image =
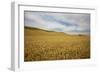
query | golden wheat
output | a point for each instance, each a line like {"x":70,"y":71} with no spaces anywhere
{"x":43,"y":45}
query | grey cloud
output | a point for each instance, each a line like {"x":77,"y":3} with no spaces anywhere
{"x":64,"y":22}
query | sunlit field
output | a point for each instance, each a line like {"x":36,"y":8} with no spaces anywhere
{"x":41,"y":45}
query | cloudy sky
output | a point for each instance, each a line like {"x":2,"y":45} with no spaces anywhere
{"x":70,"y":23}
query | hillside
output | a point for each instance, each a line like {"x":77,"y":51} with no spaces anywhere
{"x":37,"y":31}
{"x":48,"y":45}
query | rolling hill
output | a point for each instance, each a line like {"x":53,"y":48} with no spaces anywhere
{"x":42,"y":45}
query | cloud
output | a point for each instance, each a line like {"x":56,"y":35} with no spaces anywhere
{"x":73,"y":23}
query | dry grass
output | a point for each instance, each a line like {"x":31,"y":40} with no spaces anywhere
{"x":43,"y":45}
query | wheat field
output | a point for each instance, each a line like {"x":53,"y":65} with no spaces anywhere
{"x":41,"y":45}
